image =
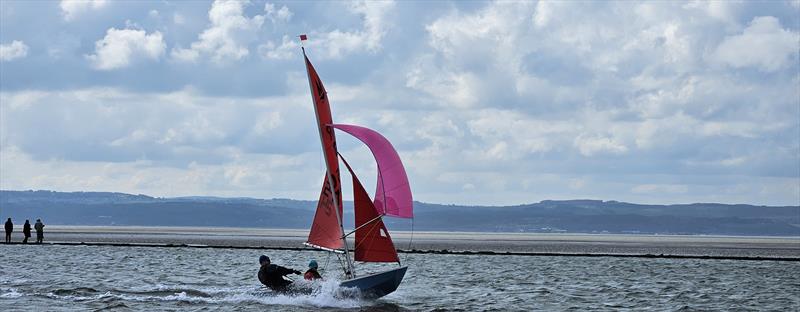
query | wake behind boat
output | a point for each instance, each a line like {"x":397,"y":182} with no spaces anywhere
{"x":392,"y":198}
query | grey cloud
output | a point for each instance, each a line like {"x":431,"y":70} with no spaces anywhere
{"x":117,"y":126}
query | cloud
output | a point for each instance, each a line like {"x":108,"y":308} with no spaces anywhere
{"x":227,"y":37}
{"x":590,"y":145}
{"x":521,"y":100}
{"x":450,"y":87}
{"x":763,"y":44}
{"x":70,"y":9}
{"x":168,"y":128}
{"x":286,"y":50}
{"x":335,"y":44}
{"x":121,"y":46}
{"x":16,"y":49}
{"x":339,"y":43}
{"x":281,"y":15}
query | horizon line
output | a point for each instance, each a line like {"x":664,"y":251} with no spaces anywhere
{"x":430,"y":203}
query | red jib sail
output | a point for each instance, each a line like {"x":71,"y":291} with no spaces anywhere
{"x":373,"y":243}
{"x":326,"y":232}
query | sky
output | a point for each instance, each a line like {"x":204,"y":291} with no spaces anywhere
{"x":487,"y":103}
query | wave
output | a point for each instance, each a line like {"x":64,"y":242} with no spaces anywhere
{"x":325,"y":294}
{"x":10,"y":293}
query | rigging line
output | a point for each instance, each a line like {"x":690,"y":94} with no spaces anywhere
{"x":363,"y":225}
{"x":341,"y":263}
{"x":327,"y":260}
{"x":390,"y":240}
{"x":369,"y":230}
{"x":411,"y":239}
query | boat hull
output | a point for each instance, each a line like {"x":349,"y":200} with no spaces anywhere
{"x":377,"y":285}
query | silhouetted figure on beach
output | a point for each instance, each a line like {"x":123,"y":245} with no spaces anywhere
{"x":9,"y":229}
{"x":26,"y":230}
{"x":39,"y":226}
{"x":312,"y":273}
{"x":271,"y":275}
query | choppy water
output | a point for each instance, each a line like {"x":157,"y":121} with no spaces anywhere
{"x":61,"y":278}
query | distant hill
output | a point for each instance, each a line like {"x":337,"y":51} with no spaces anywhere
{"x":574,"y":216}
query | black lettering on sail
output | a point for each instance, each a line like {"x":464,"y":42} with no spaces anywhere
{"x":320,"y":90}
{"x":327,"y":201}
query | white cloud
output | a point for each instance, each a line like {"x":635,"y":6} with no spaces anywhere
{"x":524,"y":100}
{"x":763,"y":44}
{"x":118,"y":125}
{"x":451,"y":88}
{"x":287,"y":50}
{"x":593,"y":144}
{"x":70,"y":9}
{"x":338,"y":43}
{"x":721,"y":10}
{"x":120,"y":46}
{"x":281,"y":15}
{"x":16,"y":49}
{"x":227,"y":37}
{"x":492,"y":125}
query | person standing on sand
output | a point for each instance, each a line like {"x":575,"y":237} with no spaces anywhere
{"x":39,"y":226}
{"x":26,"y":231}
{"x":9,"y":229}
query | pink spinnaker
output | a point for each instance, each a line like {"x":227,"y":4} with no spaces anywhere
{"x":393,"y":188}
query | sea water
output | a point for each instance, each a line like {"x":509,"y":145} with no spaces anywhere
{"x":68,"y":278}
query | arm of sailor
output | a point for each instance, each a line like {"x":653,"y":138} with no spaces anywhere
{"x":287,"y":271}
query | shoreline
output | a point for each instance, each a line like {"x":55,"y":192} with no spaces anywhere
{"x":456,"y":243}
{"x":416,"y":251}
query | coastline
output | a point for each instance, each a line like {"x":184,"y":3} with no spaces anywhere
{"x":460,"y":243}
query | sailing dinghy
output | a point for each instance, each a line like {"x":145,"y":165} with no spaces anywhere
{"x":392,"y":198}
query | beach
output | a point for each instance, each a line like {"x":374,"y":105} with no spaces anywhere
{"x":443,"y":242}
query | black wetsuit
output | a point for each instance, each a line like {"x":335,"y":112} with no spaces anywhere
{"x":271,"y":275}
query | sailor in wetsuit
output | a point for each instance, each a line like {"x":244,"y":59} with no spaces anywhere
{"x":271,"y":275}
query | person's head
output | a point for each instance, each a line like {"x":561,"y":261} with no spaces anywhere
{"x":312,"y":264}
{"x":263,"y":260}
{"x":38,"y":220}
{"x":26,"y":221}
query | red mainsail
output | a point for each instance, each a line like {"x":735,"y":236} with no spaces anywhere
{"x":326,"y":229}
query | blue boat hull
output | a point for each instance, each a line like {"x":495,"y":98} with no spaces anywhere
{"x":377,"y":285}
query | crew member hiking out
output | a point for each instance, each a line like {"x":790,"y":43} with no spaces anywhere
{"x":312,"y":273}
{"x":271,"y":275}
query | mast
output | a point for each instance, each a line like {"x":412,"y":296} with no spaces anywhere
{"x":350,"y":270}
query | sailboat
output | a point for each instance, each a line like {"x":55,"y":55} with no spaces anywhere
{"x":392,"y":199}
